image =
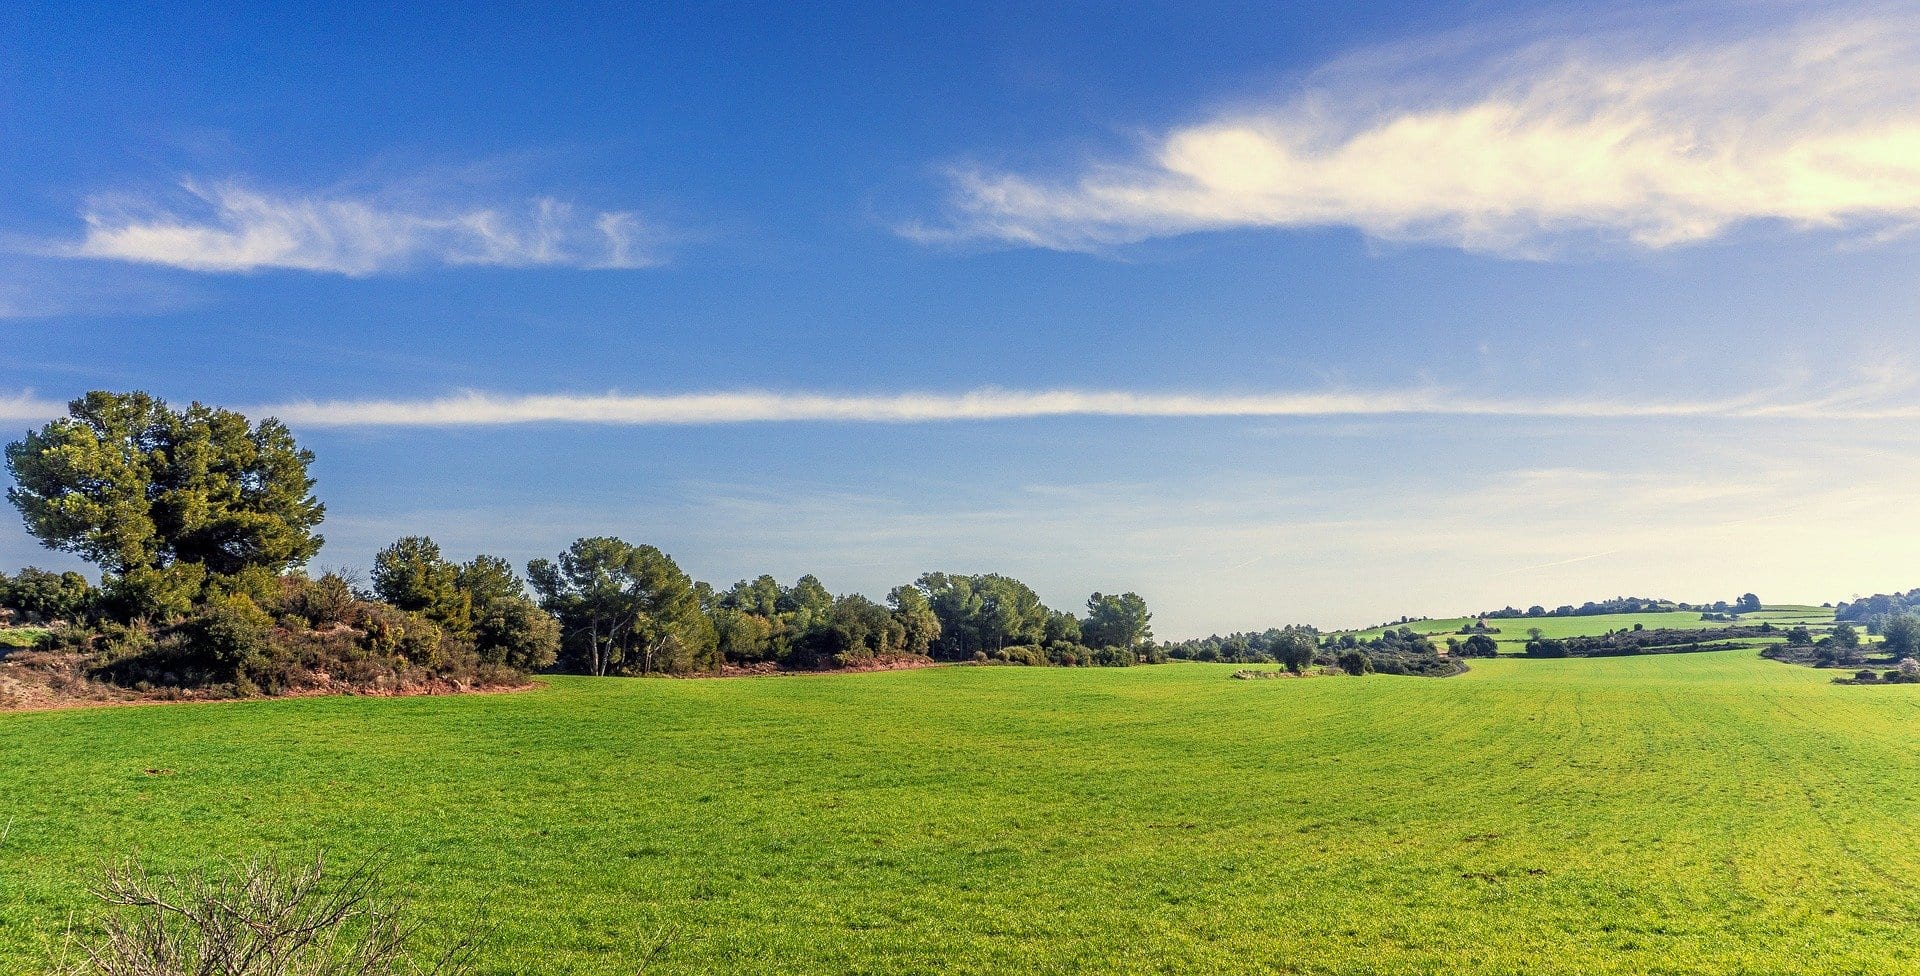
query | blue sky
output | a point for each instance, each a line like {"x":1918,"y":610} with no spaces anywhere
{"x":1270,"y":313}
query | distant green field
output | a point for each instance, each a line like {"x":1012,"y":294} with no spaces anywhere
{"x":1691,"y":813}
{"x":1793,"y":614}
{"x":1513,"y":631}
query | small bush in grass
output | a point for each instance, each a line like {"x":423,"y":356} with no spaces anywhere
{"x":1355,"y":662}
{"x":264,"y":918}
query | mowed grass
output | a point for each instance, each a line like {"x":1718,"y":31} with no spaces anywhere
{"x":1707,"y":812}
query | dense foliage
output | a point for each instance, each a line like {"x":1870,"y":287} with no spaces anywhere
{"x":313,"y":634}
{"x":178,"y":508}
{"x":200,"y":523}
{"x":628,"y":609}
{"x":1277,"y":645}
{"x":38,"y":596}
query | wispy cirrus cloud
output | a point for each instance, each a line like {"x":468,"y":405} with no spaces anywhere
{"x":1880,"y":394}
{"x":1864,"y":403}
{"x":230,"y":226}
{"x":1518,"y":148}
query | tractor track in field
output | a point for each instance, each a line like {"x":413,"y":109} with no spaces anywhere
{"x":1838,"y":834}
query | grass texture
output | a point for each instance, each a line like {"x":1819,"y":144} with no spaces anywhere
{"x":1709,"y":812}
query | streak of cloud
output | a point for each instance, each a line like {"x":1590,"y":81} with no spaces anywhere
{"x":231,"y":227}
{"x":737,"y":407}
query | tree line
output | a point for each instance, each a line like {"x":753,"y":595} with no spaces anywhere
{"x":1875,"y":609}
{"x":1747,"y":603}
{"x":201,"y":523}
{"x":625,"y":608}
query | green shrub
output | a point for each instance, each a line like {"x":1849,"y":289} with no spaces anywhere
{"x":1026,"y":654}
{"x":115,"y":641}
{"x":518,"y":634}
{"x":215,"y":648}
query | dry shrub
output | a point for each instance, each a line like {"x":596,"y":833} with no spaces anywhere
{"x":263,"y":918}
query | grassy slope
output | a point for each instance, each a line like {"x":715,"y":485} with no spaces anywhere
{"x":1708,"y":812}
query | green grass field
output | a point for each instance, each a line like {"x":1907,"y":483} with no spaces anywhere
{"x":1513,"y":631}
{"x":1688,"y":813}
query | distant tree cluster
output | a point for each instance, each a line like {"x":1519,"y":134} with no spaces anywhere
{"x":1619,"y":604}
{"x":1871,"y":611}
{"x":1477,"y":645}
{"x":43,"y":597}
{"x":312,"y":633}
{"x":1906,"y":673}
{"x":1900,"y":634}
{"x":1747,"y":603}
{"x":1294,"y":646}
{"x":1298,"y":647}
{"x":1844,"y":647}
{"x":627,"y":609}
{"x":1401,"y":651}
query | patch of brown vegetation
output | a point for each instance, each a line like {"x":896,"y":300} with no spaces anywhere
{"x":47,"y":680}
{"x":900,"y":662}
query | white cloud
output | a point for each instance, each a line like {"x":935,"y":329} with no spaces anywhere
{"x":485,"y":409}
{"x":24,"y":407}
{"x":1518,"y":149}
{"x":230,"y":227}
